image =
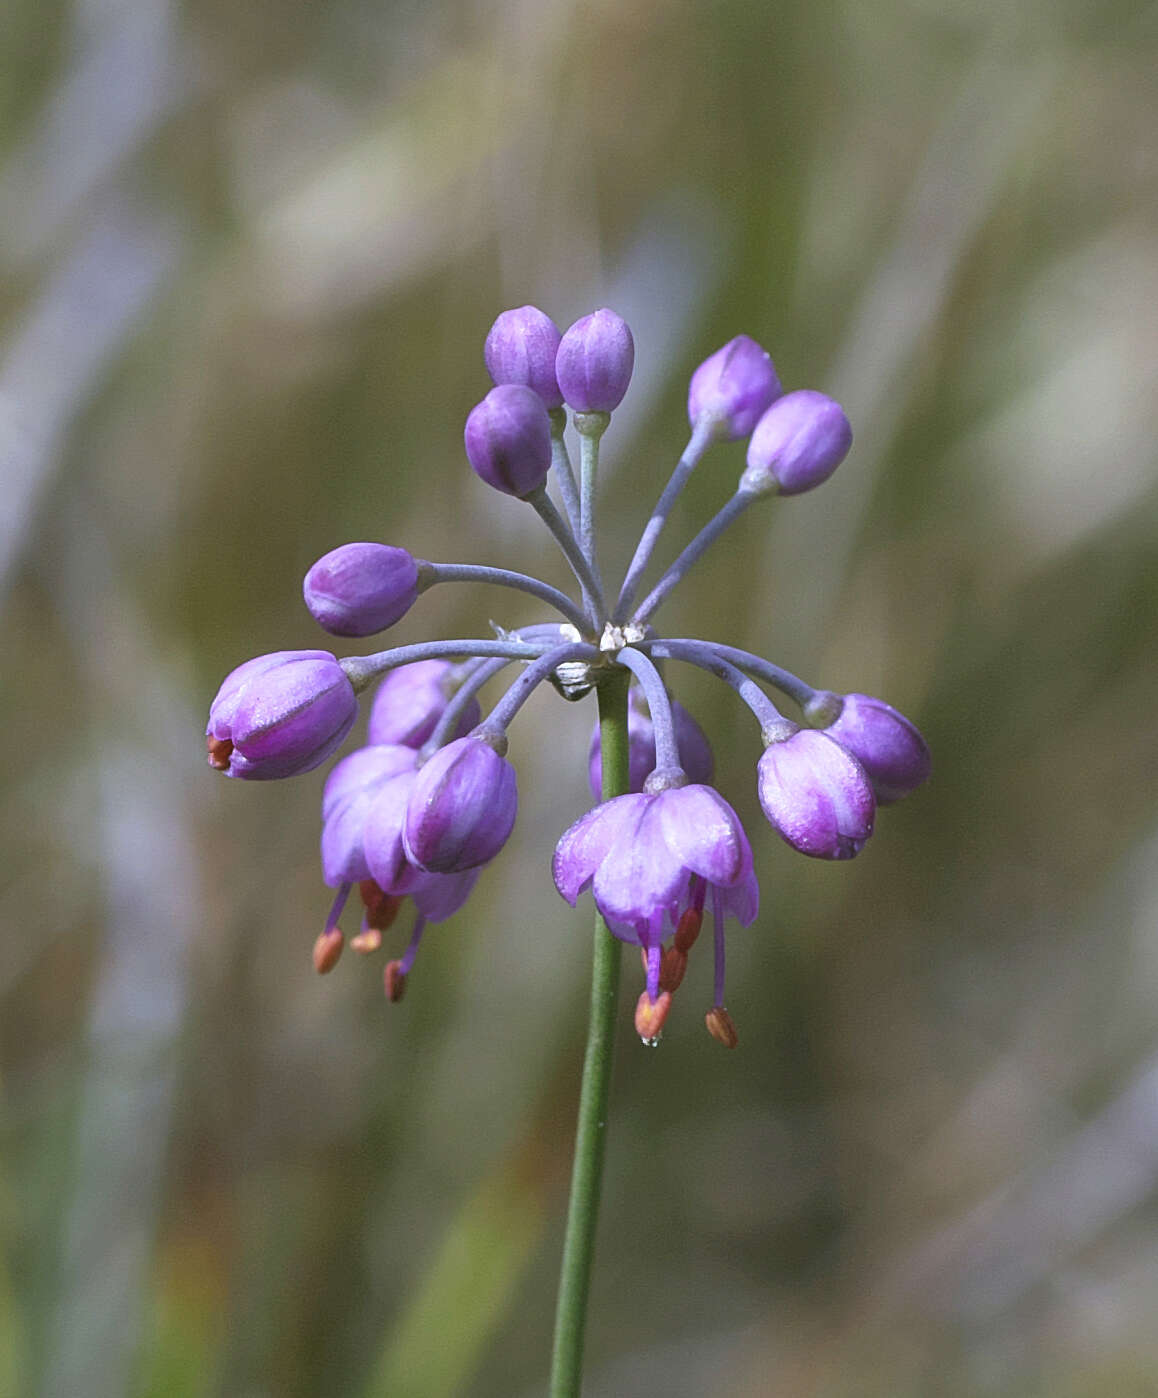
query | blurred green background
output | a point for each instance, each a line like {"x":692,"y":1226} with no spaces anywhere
{"x":248,"y":255}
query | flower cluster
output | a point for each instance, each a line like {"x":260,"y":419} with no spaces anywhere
{"x":418,"y":812}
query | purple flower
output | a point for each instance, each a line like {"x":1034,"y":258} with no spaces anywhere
{"x":462,"y":807}
{"x":885,"y":743}
{"x":694,"y":749}
{"x":508,"y":440}
{"x":521,"y":348}
{"x":643,"y":854}
{"x":351,"y":793}
{"x":797,"y":444}
{"x":733,"y":387}
{"x":410,"y":701}
{"x":359,"y":589}
{"x":594,"y":363}
{"x":280,"y":714}
{"x":816,"y":795}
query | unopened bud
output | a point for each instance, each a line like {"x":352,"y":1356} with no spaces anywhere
{"x":394,"y":979}
{"x":367,"y":941}
{"x":327,"y":949}
{"x":650,"y":1016}
{"x":720,"y":1026}
{"x":688,"y":929}
{"x":672,"y":968}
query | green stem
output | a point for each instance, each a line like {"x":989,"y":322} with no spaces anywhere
{"x":591,"y":1132}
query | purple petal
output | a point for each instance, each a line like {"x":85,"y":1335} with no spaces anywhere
{"x":583,"y":846}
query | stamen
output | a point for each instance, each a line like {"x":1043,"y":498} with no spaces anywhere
{"x":654,"y":959}
{"x":394,"y":979}
{"x":328,"y":946}
{"x":220,"y":751}
{"x":672,"y":968}
{"x":367,"y":941}
{"x":327,"y":949}
{"x":718,"y":930}
{"x":381,"y":907}
{"x":720,"y":1026}
{"x":650,"y":1015}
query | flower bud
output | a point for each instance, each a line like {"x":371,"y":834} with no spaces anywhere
{"x":521,"y":348}
{"x":816,"y":795}
{"x":461,"y":809}
{"x":799,"y":442}
{"x":280,"y":714}
{"x":885,"y":743}
{"x":733,"y":387}
{"x":359,"y":589}
{"x":594,"y":363}
{"x":508,"y":439}
{"x":410,"y":701}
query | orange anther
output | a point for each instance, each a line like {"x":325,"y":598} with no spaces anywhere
{"x":720,"y":1026}
{"x":650,"y":1015}
{"x":381,"y":908}
{"x":688,"y":929}
{"x":672,"y":968}
{"x":394,"y":979}
{"x":327,"y":949}
{"x":220,"y":751}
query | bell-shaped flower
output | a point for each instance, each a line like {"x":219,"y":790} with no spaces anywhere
{"x":351,"y":792}
{"x":280,"y":714}
{"x":816,"y":795}
{"x":641,"y":855}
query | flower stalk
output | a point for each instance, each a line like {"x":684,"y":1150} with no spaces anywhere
{"x":591,"y":1127}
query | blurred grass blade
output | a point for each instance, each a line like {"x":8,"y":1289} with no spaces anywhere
{"x":436,"y":1345}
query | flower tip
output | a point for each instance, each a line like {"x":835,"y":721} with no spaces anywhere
{"x":220,"y":750}
{"x":651,"y":1015}
{"x":732,"y":388}
{"x":327,"y":949}
{"x":720,"y":1027}
{"x":594,"y":363}
{"x":394,"y":981}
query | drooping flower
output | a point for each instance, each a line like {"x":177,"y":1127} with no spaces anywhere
{"x":281,"y":714}
{"x":816,"y":795}
{"x":650,"y":859}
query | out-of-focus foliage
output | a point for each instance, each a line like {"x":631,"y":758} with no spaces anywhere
{"x":250,"y":251}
